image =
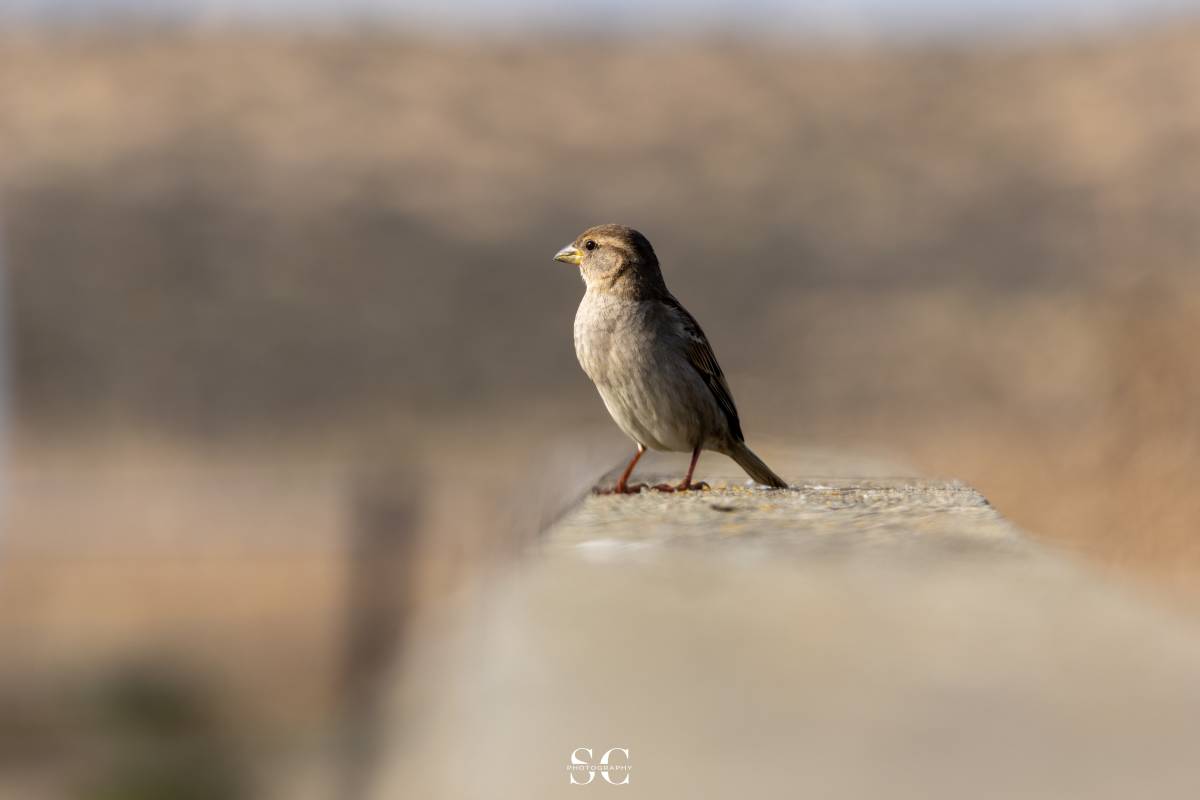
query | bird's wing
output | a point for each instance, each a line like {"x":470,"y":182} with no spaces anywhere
{"x":700,"y":355}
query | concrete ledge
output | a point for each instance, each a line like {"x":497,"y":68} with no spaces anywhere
{"x":853,"y":637}
{"x":821,"y":517}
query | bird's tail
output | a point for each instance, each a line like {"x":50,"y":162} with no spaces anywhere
{"x":754,"y":466}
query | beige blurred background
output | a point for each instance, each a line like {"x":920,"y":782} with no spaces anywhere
{"x":290,"y":360}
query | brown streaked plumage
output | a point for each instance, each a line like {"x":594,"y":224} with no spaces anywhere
{"x":649,"y":358}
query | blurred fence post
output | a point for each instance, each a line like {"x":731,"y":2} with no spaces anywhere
{"x":4,"y":379}
{"x":378,"y":593}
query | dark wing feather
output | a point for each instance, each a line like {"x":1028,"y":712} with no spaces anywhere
{"x":702,"y":359}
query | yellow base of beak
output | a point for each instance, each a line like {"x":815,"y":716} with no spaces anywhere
{"x":569,"y":255}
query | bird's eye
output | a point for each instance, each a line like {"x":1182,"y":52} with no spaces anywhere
{"x":590,"y":245}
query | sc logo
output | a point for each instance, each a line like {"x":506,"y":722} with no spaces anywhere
{"x":607,"y":769}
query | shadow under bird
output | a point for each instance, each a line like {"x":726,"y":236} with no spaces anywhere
{"x":649,"y":359}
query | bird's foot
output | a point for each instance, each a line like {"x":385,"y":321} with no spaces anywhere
{"x":682,"y":487}
{"x":619,"y":489}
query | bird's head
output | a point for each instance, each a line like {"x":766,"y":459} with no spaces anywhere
{"x":614,"y":258}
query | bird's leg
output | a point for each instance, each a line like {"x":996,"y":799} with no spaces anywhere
{"x":622,"y":486}
{"x":687,"y":484}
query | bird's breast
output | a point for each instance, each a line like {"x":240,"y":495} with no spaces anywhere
{"x":610,"y":336}
{"x":650,"y":391}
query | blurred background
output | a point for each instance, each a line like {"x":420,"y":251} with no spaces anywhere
{"x":288,"y":358}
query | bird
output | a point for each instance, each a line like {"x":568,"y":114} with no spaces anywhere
{"x":650,"y":360}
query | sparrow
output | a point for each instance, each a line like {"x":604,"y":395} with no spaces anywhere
{"x":649,"y":359}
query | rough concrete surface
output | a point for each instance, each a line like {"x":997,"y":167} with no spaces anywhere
{"x":856,"y":636}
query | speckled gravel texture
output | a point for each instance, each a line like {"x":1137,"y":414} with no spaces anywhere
{"x":816,"y":516}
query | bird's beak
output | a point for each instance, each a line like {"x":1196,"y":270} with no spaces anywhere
{"x":569,"y":255}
